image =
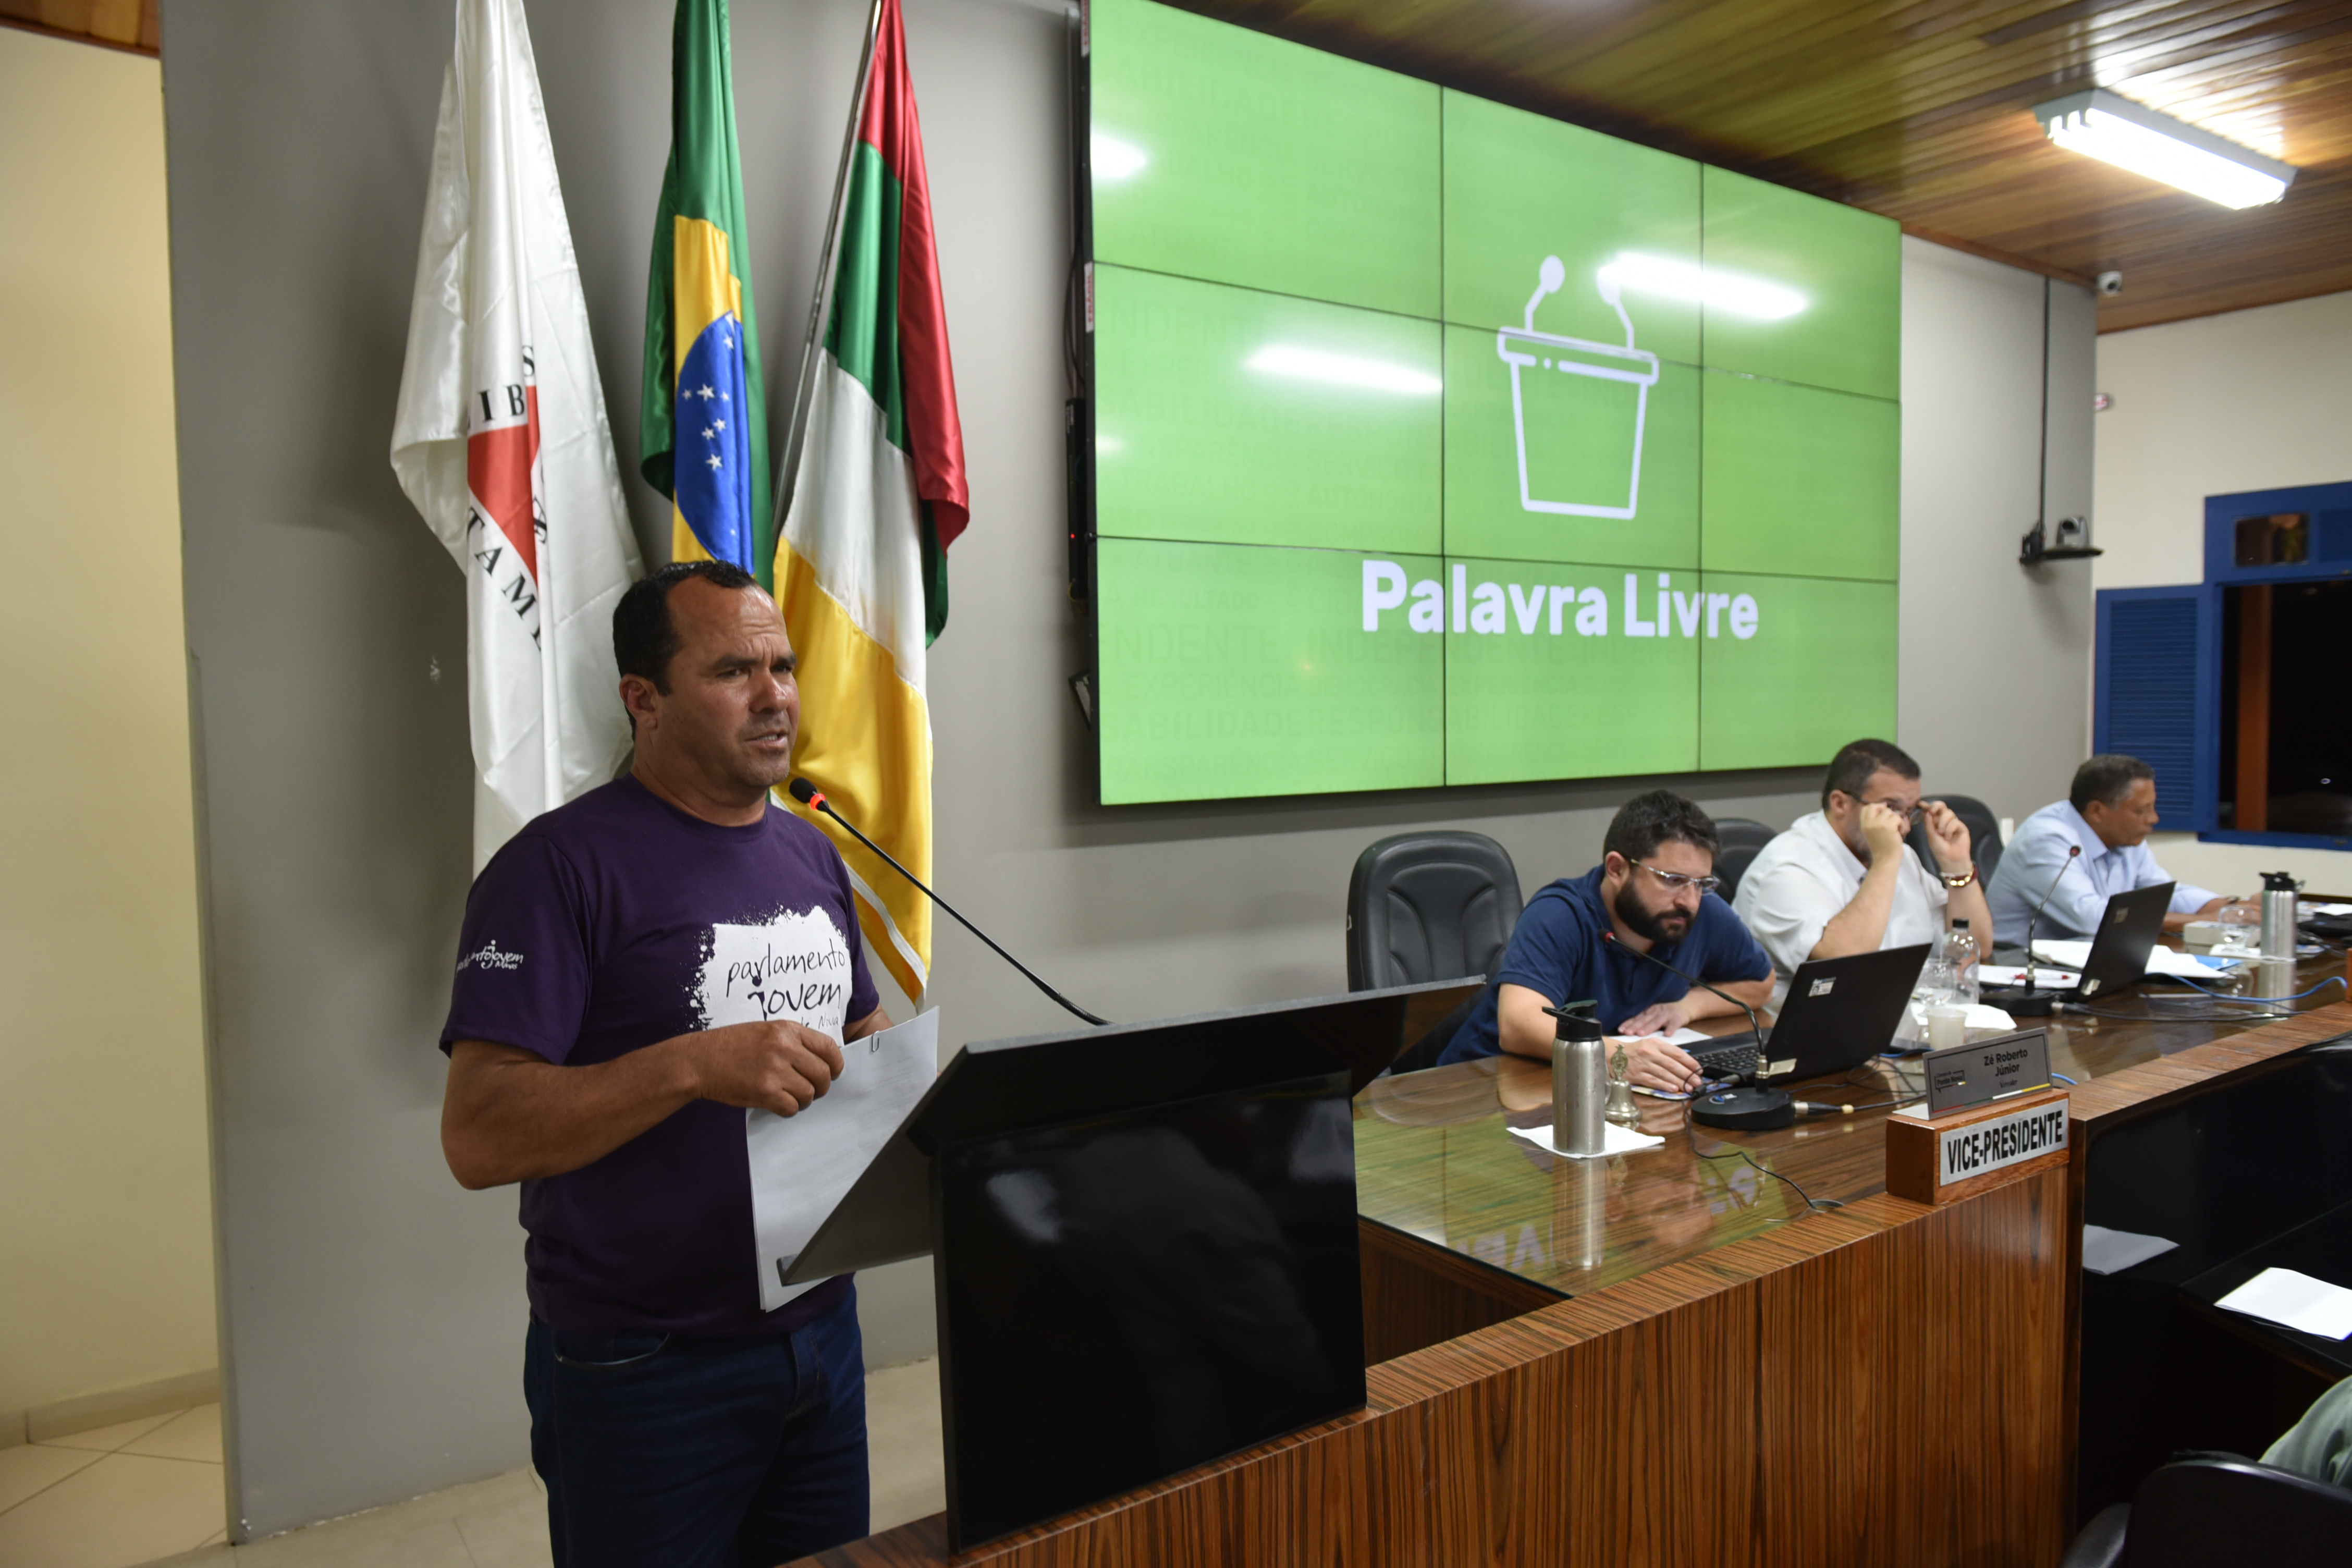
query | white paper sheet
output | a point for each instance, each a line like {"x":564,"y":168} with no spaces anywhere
{"x":2161,"y":960}
{"x":802,"y":1165}
{"x":1616,"y":1141}
{"x":1679,"y":1037}
{"x":2297,"y":1300}
{"x":2108,"y":1251}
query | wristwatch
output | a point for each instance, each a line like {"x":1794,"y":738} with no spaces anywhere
{"x":1956,"y":883}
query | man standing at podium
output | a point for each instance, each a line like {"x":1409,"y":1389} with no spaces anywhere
{"x":1654,"y":892}
{"x":597,"y":1056}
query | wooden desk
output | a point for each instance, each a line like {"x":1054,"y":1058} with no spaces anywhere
{"x":1664,"y":1359}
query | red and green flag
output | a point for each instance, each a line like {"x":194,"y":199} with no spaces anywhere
{"x":877,"y":495}
{"x":703,"y":422}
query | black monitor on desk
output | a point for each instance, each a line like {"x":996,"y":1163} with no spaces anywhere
{"x":1144,"y":1243}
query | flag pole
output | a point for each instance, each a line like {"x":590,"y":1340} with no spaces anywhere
{"x":811,"y":340}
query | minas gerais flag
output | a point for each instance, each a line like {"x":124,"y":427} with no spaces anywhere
{"x":878,"y":494}
{"x":703,"y":425}
{"x":501,"y":442}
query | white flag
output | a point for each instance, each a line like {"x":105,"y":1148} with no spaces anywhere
{"x":502,"y":443}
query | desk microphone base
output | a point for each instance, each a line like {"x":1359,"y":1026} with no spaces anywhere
{"x":1746,"y":1109}
{"x":2026,"y":1004}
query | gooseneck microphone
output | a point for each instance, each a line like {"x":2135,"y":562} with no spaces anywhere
{"x":2033,"y":1002}
{"x":1611,"y":938}
{"x":809,"y":795}
{"x":1751,"y":1108}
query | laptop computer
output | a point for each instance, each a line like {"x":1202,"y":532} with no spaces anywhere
{"x":2128,"y":927}
{"x":1838,"y":1013}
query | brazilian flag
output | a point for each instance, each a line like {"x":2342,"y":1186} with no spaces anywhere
{"x":704,"y":423}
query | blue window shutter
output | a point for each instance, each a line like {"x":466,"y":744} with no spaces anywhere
{"x":2157,"y":693}
{"x":2331,"y":534}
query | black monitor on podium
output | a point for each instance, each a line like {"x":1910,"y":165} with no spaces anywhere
{"x":1144,"y":1239}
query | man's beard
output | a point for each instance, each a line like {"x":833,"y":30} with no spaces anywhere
{"x":1650,"y":926}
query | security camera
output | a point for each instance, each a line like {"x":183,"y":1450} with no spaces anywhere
{"x":2111,"y":283}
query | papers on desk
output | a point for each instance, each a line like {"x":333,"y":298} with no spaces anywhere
{"x":1618,"y":1141}
{"x":1679,"y":1037}
{"x":802,"y":1165}
{"x":2161,"y":960}
{"x":2309,"y":909}
{"x":2108,"y":1251}
{"x":2296,"y":1300}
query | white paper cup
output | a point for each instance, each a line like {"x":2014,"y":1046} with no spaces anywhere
{"x":1947,"y":1026}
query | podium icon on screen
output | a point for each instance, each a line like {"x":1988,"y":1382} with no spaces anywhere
{"x":1570,"y":397}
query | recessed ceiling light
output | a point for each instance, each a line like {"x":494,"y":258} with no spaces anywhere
{"x":2131,"y":136}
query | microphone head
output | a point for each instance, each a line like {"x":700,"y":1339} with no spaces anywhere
{"x":802,"y":790}
{"x":1610,"y":937}
{"x":2073,"y":850}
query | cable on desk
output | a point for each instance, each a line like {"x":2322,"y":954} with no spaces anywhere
{"x":2069,"y":1082}
{"x":1690,"y":1130}
{"x":2076,"y":1010}
{"x":2260,"y":1001}
{"x":1890,"y":1062}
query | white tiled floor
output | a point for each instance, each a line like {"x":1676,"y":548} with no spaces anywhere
{"x":117,"y":1496}
{"x":146,"y":1490}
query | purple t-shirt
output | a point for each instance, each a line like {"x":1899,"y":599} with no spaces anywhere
{"x":617,"y":921}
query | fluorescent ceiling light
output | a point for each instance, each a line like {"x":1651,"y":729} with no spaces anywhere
{"x":1113,"y":158}
{"x":1718,"y":290}
{"x":1344,"y":370}
{"x":2118,"y":130}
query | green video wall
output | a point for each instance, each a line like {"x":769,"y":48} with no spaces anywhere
{"x":1437,"y":442}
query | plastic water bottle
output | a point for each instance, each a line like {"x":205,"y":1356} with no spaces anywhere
{"x":1958,"y":952}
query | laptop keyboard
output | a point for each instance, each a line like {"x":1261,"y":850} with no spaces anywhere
{"x":1728,"y":1061}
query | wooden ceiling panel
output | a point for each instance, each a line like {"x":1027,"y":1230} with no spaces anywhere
{"x":133,"y":25}
{"x":1923,"y":111}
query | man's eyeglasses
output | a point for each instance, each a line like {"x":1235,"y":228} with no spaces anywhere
{"x":1912,"y":814}
{"x":1676,"y":882}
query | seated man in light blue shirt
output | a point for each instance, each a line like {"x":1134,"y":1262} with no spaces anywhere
{"x":2109,"y":814}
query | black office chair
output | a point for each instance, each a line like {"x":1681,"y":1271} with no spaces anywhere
{"x":1984,"y":835}
{"x":2204,"y":1509}
{"x":1743,"y":840}
{"x":1429,"y":906}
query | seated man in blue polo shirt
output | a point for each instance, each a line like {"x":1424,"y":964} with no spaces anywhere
{"x":1654,"y":888}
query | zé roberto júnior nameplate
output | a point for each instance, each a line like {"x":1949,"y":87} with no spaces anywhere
{"x":1987,"y":1070}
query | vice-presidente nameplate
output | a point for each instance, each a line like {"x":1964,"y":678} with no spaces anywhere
{"x":1987,"y":1070}
{"x":1998,"y":1141}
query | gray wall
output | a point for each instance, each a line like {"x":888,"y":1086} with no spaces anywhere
{"x":1990,"y":697}
{"x":372,"y":1312}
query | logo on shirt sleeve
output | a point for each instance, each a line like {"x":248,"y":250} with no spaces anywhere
{"x":489,"y":955}
{"x":795,"y":968}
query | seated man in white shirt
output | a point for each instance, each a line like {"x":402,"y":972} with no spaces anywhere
{"x":1842,"y":881}
{"x":2108,"y":815}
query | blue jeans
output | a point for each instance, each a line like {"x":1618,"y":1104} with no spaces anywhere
{"x":663,"y":1451}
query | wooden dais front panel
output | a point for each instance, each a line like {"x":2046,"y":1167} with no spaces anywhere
{"x":1825,"y":1394}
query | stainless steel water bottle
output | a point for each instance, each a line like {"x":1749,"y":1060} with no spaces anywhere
{"x":1579,"y":1081}
{"x":2279,"y":933}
